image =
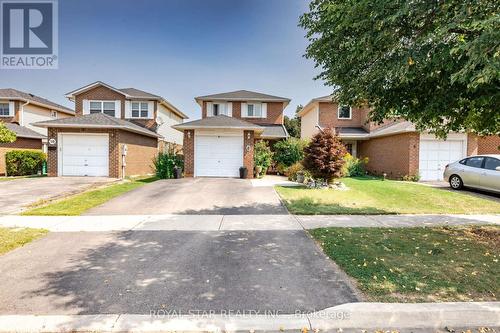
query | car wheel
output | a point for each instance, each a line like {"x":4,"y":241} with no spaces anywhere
{"x":456,"y":182}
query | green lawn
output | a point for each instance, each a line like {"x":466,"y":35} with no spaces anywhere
{"x":418,"y":264}
{"x":375,"y":196}
{"x":78,"y":204}
{"x":11,"y":238}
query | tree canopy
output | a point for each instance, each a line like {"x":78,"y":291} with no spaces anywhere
{"x":292,"y":125}
{"x":435,"y":63}
{"x":6,"y":135}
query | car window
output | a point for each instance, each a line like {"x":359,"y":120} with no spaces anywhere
{"x":491,"y":163}
{"x":463,"y":161}
{"x":474,"y":162}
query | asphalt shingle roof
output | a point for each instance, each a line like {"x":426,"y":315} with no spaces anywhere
{"x":242,"y":95}
{"x":97,"y":120}
{"x":136,"y":93}
{"x":351,"y":130}
{"x":218,"y":122}
{"x":24,"y":132}
{"x":274,"y":131}
{"x":10,"y":93}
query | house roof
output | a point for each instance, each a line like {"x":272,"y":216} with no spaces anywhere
{"x":242,"y":95}
{"x":219,"y":122}
{"x":14,"y":94}
{"x":346,"y":132}
{"x":393,"y":128}
{"x":307,"y":107}
{"x":129,"y":93}
{"x":274,"y":132}
{"x":97,"y":120}
{"x":24,"y":132}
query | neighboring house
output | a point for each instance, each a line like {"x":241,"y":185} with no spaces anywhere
{"x":116,"y":132}
{"x":393,"y":147}
{"x":19,"y":110}
{"x":222,"y":141}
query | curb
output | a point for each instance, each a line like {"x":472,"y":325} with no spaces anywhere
{"x":360,"y":316}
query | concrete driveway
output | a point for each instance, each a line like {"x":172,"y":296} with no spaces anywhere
{"x":207,"y":196}
{"x":18,"y":193}
{"x":141,"y":271}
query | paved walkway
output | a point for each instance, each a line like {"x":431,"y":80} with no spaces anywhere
{"x":235,"y":222}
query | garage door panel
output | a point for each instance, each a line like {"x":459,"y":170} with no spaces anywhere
{"x":435,"y":154}
{"x":84,"y":155}
{"x":218,"y":156}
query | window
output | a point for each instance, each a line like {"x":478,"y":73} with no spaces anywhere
{"x":140,"y":110}
{"x":216,"y":109}
{"x":103,"y":107}
{"x":4,"y":110}
{"x":254,"y":110}
{"x":344,"y":112}
{"x":474,"y":162}
{"x":491,"y":163}
{"x":53,"y":114}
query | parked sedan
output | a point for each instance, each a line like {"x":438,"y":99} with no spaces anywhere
{"x":481,"y":172}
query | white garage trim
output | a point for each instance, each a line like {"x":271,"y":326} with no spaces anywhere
{"x":100,"y":157}
{"x":218,"y":154}
{"x":435,"y":154}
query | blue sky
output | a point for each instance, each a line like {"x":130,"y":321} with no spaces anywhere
{"x":178,"y":49}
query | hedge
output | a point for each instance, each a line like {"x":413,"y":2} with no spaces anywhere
{"x":24,"y":162}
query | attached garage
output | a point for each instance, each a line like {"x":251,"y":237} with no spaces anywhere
{"x":218,"y":155}
{"x":435,"y":154}
{"x":83,"y":154}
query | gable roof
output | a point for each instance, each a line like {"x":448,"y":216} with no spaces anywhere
{"x":97,"y":120}
{"x":218,"y":122}
{"x":307,"y":107}
{"x":129,"y":93}
{"x":14,"y":94}
{"x":242,"y":95}
{"x":24,"y":132}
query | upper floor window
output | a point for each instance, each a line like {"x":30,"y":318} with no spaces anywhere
{"x":4,"y":110}
{"x":344,"y":112}
{"x":254,"y":110}
{"x":217,"y":109}
{"x":103,"y":107}
{"x":139,"y":109}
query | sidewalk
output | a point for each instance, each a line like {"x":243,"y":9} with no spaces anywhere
{"x":426,"y":317}
{"x":235,"y":222}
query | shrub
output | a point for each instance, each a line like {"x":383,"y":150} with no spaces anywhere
{"x":354,"y":167}
{"x":324,"y":156}
{"x":24,"y":162}
{"x":292,"y":171}
{"x":262,"y":155}
{"x":288,"y":152}
{"x":166,"y":161}
{"x":411,"y":178}
{"x":6,"y":135}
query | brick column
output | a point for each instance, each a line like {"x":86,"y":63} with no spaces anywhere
{"x":188,"y":149}
{"x":248,"y":144}
{"x":52,"y":154}
{"x":472,"y":144}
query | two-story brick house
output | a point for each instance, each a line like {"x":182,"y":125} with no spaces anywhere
{"x":19,"y":111}
{"x":394,"y":147}
{"x":116,"y":132}
{"x":223,"y":140}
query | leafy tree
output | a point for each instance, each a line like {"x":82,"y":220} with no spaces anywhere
{"x":292,"y":125}
{"x":288,"y":152}
{"x":324,"y":156}
{"x":6,"y":135}
{"x":262,"y":155}
{"x":435,"y":63}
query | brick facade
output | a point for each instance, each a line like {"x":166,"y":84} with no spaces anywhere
{"x":395,"y":155}
{"x":248,"y":150}
{"x":274,"y":113}
{"x":141,"y":149}
{"x":188,"y":149}
{"x":19,"y":144}
{"x":477,"y":145}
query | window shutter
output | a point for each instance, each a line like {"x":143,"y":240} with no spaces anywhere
{"x":86,"y":106}
{"x":151,"y":106}
{"x":264,"y":110}
{"x":118,"y":109}
{"x":229,"y":109}
{"x":128,"y":110}
{"x":12,"y":107}
{"x":209,"y":109}
{"x":244,"y":110}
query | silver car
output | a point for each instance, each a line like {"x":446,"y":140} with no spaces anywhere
{"x":481,"y":172}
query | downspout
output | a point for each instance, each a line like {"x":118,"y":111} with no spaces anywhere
{"x":21,"y":113}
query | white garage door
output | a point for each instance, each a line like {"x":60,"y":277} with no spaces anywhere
{"x":435,"y":154}
{"x":84,"y":155}
{"x":218,"y":156}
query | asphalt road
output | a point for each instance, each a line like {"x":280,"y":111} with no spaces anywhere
{"x":184,"y":271}
{"x":195,"y":196}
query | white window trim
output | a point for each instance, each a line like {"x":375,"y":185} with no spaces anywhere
{"x":263,"y":112}
{"x":149,"y":111}
{"x":343,"y":118}
{"x":11,"y":109}
{"x":102,"y":105}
